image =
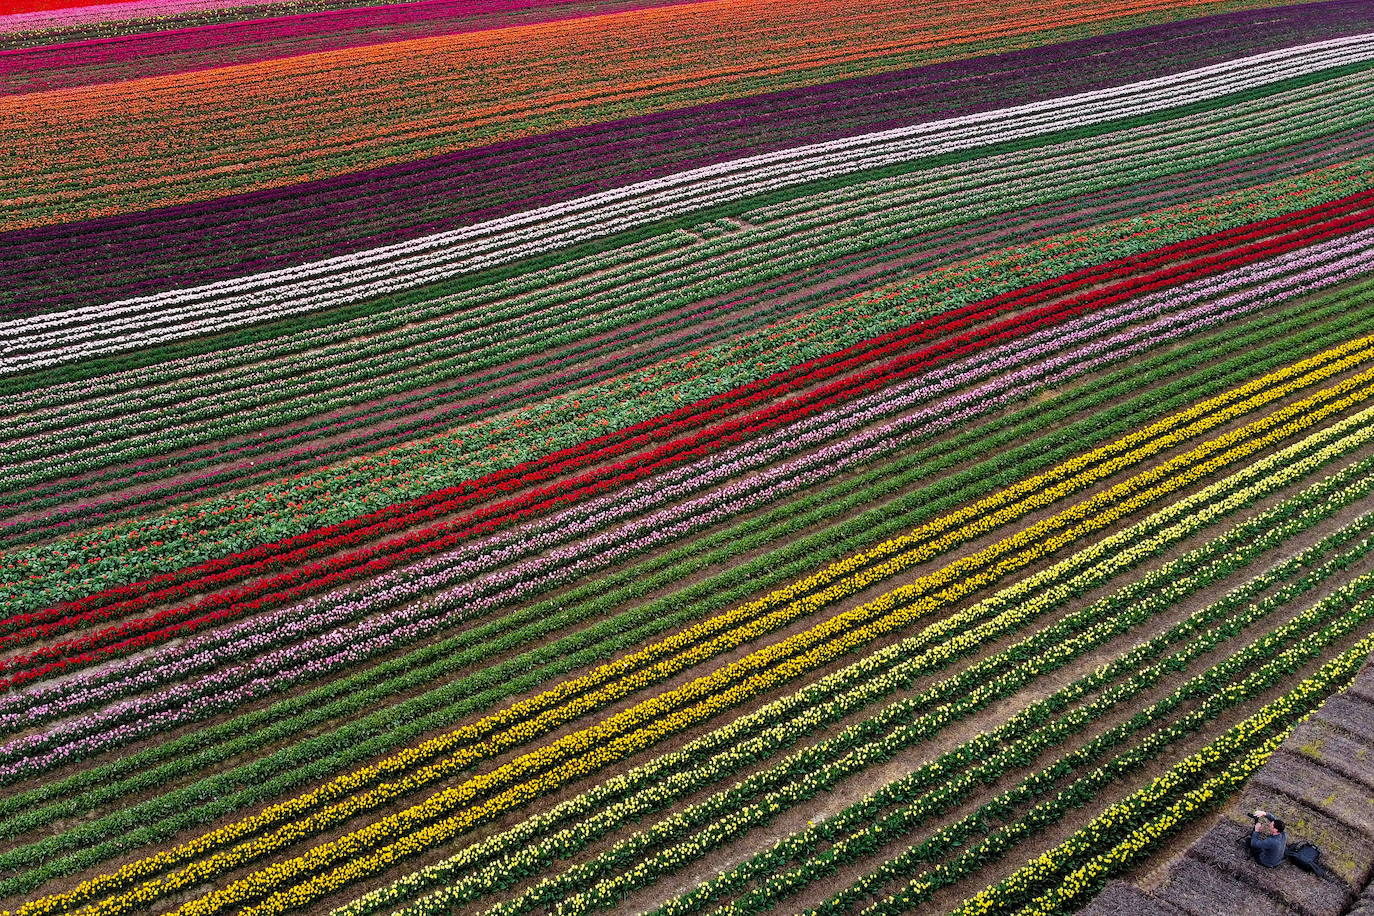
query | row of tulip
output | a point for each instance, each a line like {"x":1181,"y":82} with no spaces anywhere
{"x":633,"y":430}
{"x":647,"y":722}
{"x":620,"y":473}
{"x":106,"y":736}
{"x":897,"y":810}
{"x":434,"y":576}
{"x":381,"y":732}
{"x":642,"y":259}
{"x":103,"y":721}
{"x":922,"y":801}
{"x":1022,"y":817}
{"x":865,"y":744}
{"x":290,"y":338}
{"x":95,"y":734}
{"x":768,"y":50}
{"x":342,"y":567}
{"x":47,"y":339}
{"x":235,"y":40}
{"x":943,"y":181}
{"x":592,"y":517}
{"x":312,"y":577}
{"x":510,"y":176}
{"x":1184,"y":808}
{"x":694,"y":514}
{"x":231,"y":404}
{"x":772,"y":53}
{"x":542,"y":531}
{"x":781,"y":112}
{"x":1165,"y":802}
{"x":674,"y":281}
{"x":121,"y":478}
{"x":137,"y":539}
{"x":595,"y":747}
{"x":55,"y":25}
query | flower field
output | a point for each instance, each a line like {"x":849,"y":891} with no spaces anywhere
{"x":669,"y":456}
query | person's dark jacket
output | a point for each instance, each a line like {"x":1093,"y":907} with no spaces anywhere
{"x":1269,"y":849}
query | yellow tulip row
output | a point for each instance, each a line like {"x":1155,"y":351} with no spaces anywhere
{"x":1263,"y":663}
{"x":1187,"y":807}
{"x":597,"y":746}
{"x":580,"y":894}
{"x":1320,"y":366}
{"x":1124,"y":815}
{"x":879,"y":673}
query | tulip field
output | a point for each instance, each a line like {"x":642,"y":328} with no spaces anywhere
{"x":682,"y":457}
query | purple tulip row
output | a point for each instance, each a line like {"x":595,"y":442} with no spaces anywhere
{"x":243,"y":682}
{"x":199,"y":243}
{"x":140,"y":479}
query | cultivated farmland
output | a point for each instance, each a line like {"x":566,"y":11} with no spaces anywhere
{"x":681,"y":456}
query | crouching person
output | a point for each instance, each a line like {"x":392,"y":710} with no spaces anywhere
{"x":1269,"y":840}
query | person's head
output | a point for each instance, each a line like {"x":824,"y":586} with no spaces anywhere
{"x":1278,"y":825}
{"x":1268,"y":826}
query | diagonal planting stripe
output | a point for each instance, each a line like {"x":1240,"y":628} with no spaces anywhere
{"x":130,"y":635}
{"x":592,"y":748}
{"x":817,"y":645}
{"x":872,"y":677}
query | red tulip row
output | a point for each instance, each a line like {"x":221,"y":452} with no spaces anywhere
{"x":348,"y":567}
{"x":159,"y":589}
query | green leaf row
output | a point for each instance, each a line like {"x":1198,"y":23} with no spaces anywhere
{"x":321,"y":756}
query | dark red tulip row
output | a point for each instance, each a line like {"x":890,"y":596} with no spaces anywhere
{"x":119,"y":257}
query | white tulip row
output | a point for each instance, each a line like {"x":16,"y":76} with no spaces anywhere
{"x":35,"y":341}
{"x":119,"y":418}
{"x":1198,"y":135}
